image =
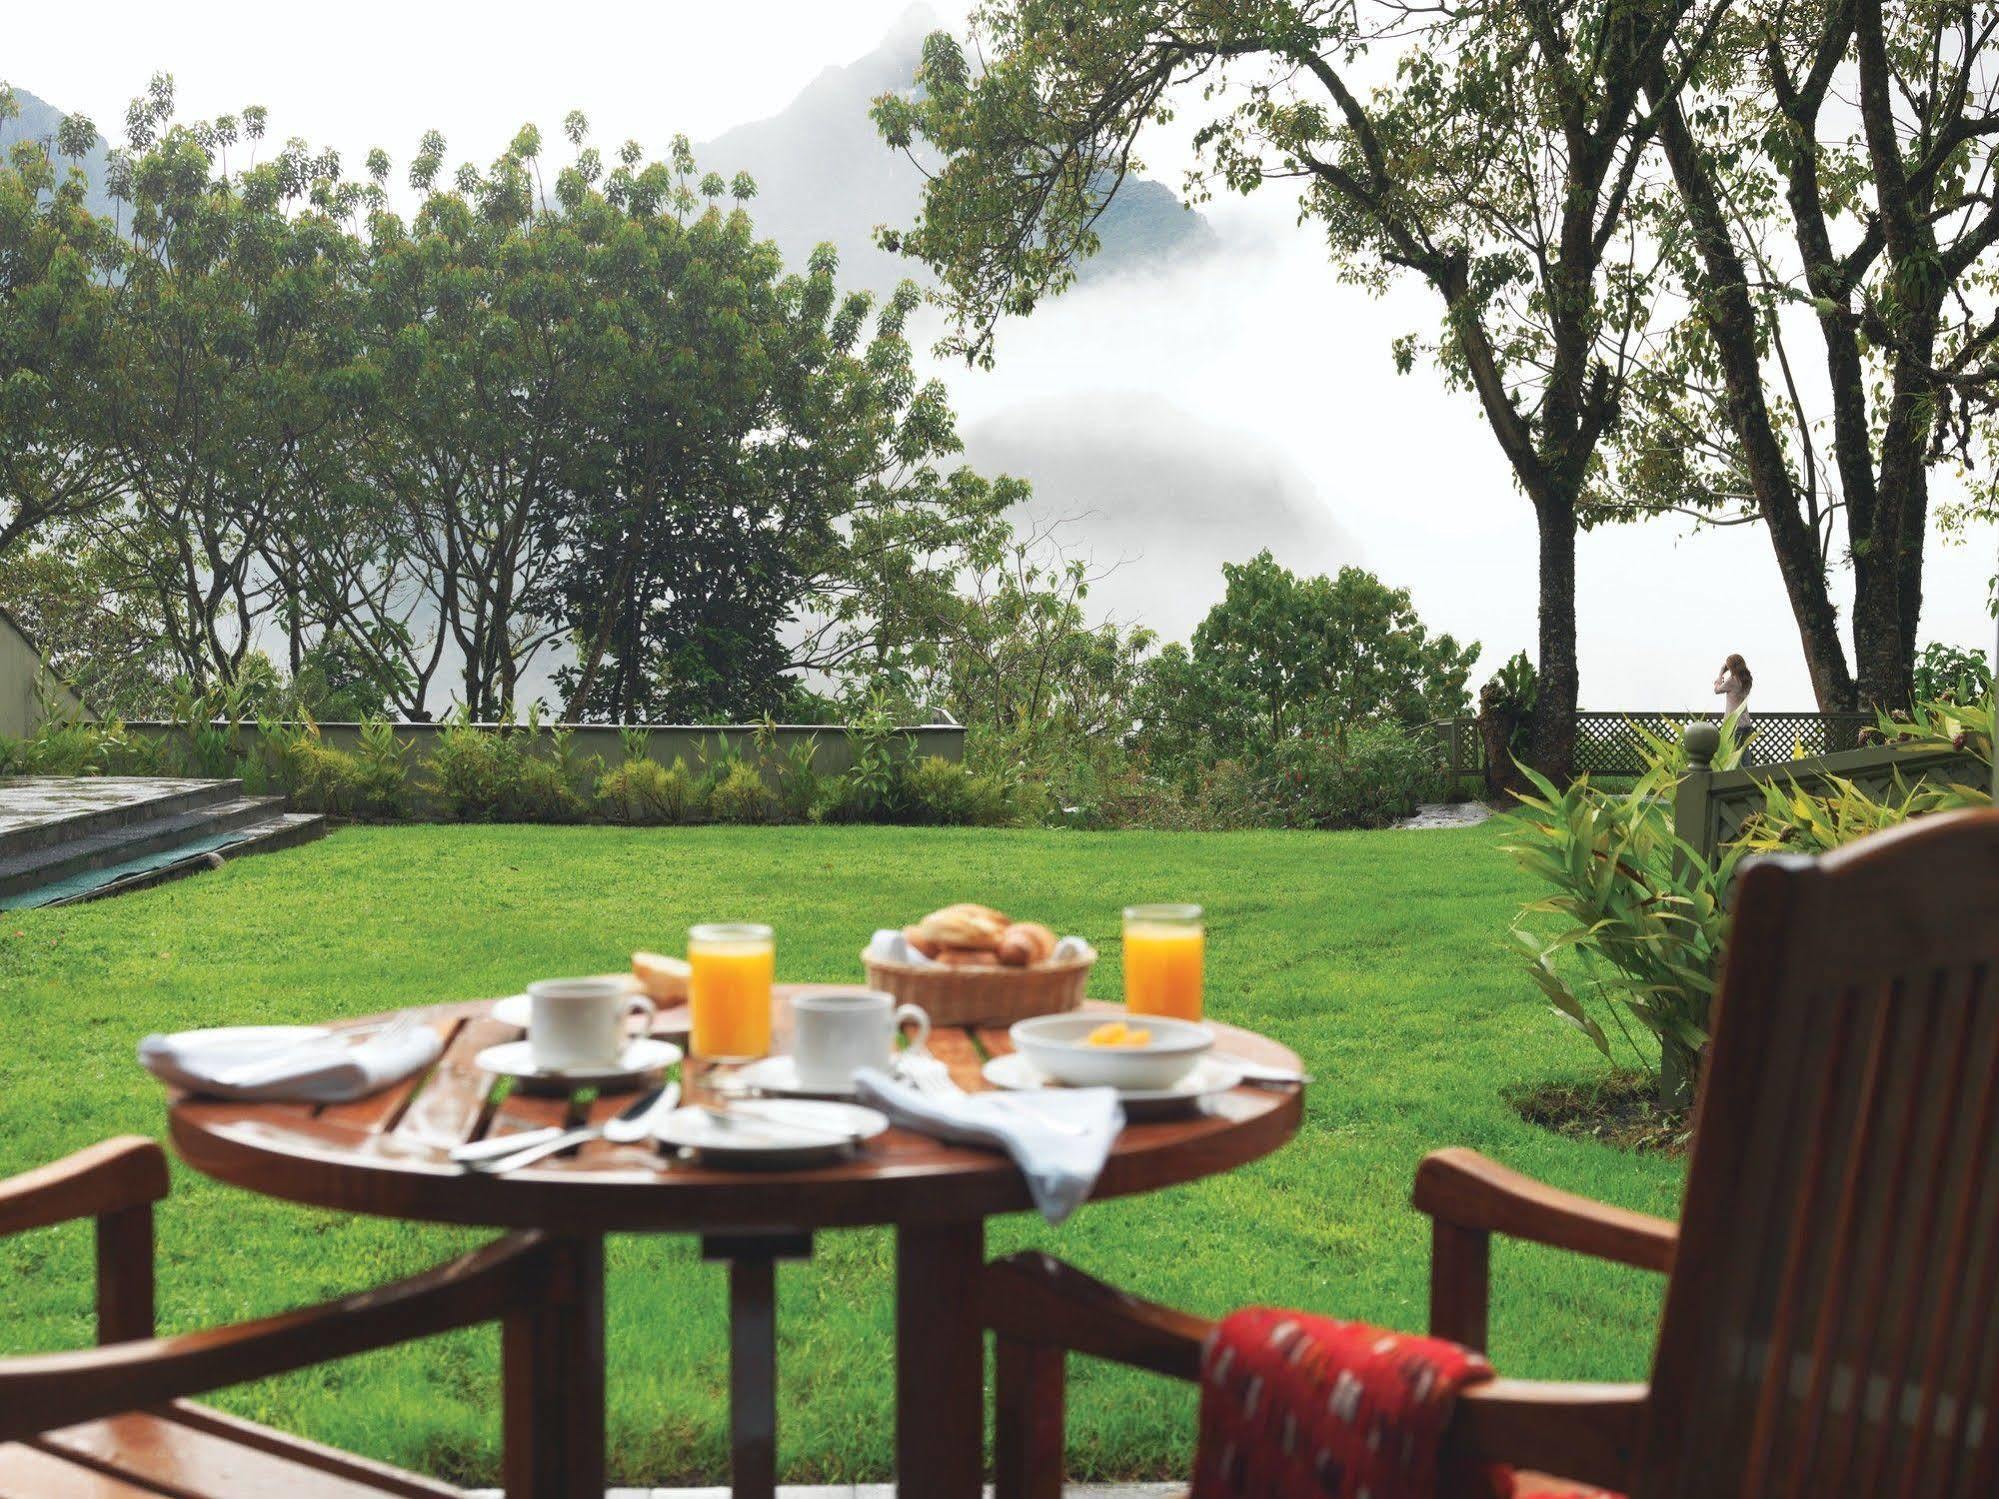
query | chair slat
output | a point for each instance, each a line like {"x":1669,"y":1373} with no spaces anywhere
{"x":1829,"y":1326}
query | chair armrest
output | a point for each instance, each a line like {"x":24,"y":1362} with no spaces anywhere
{"x":127,"y":1172}
{"x":40,"y":1392}
{"x":1585,"y":1432}
{"x":1038,"y":1300}
{"x":1466,"y":1190}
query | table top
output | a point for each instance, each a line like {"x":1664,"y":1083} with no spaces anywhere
{"x":388,"y":1154}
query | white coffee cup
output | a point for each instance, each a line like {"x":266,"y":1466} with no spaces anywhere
{"x":574,"y":1023}
{"x":835,"y":1034}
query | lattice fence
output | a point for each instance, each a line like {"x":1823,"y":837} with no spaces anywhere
{"x":1609,"y":743}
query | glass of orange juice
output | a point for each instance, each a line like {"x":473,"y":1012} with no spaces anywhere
{"x":1163,"y":947}
{"x":731,"y":965}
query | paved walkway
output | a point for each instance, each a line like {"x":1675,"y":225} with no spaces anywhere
{"x":1447,"y":815}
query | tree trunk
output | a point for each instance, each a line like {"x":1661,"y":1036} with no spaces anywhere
{"x":1551,"y":737}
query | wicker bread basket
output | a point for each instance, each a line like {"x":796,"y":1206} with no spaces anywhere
{"x":984,"y":996}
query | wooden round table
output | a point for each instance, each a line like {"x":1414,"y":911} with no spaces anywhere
{"x":387,"y":1155}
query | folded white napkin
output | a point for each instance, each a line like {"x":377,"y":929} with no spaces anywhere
{"x":1059,"y":1138}
{"x":890,"y":946}
{"x":323,"y":1069}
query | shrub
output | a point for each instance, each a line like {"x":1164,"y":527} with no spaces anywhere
{"x":1364,"y":779}
{"x":313,"y":774}
{"x":841,"y":799}
{"x":71,"y":747}
{"x":742,"y":796}
{"x":490,"y":775}
{"x":939,"y":791}
{"x":797,"y":780}
{"x":1641,"y":919}
{"x":643,"y":791}
{"x":383,"y":762}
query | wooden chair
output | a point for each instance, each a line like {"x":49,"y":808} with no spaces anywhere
{"x":112,"y":1422}
{"x":1829,"y":1325}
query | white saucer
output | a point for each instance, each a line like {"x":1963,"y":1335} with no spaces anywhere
{"x":778,"y":1076}
{"x":515,"y":1059}
{"x":1208,"y":1077}
{"x":758,"y":1138}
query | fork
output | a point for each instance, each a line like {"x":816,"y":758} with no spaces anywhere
{"x":926,"y":1074}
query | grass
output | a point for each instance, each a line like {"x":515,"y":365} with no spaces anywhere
{"x":1375,"y":955}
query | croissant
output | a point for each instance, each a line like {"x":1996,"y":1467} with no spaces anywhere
{"x":1026,"y":943}
{"x":914,"y":936}
{"x":963,"y":926}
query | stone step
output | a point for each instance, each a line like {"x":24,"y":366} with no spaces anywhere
{"x":125,"y":842}
{"x":42,"y":811}
{"x":286,"y":830}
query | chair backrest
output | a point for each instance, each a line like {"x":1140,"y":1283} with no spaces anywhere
{"x":1829,"y":1327}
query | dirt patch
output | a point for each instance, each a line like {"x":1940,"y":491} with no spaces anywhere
{"x":1620,"y":1109}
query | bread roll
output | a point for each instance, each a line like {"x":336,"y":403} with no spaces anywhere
{"x":914,"y":936}
{"x":967,"y":957}
{"x":663,"y":979}
{"x":966,"y":926}
{"x":1026,"y":943}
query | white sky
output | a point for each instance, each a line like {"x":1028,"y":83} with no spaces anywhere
{"x":363,"y":73}
{"x":1271,"y":351}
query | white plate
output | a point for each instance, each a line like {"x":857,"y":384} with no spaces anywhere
{"x":1209,"y":1076}
{"x":779,"y":1075}
{"x":515,"y":1059}
{"x":758,"y":1136}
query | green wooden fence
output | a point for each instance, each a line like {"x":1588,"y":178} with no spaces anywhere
{"x":1711,"y":806}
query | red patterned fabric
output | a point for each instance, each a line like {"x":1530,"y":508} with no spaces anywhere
{"x":1301,"y":1407}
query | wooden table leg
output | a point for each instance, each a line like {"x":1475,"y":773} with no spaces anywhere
{"x":753,"y":1354}
{"x":940,"y":1360}
{"x":554,"y":1386}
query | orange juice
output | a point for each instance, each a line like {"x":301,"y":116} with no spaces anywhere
{"x":728,"y":989}
{"x":1163,"y":950}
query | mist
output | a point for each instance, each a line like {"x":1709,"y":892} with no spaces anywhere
{"x":1246,"y":398}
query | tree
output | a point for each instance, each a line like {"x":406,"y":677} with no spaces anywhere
{"x":1503,"y":164}
{"x":1282,"y":654}
{"x":55,"y":263}
{"x":1019,"y":663}
{"x":234,"y":339}
{"x":1838,"y":179}
{"x":481,"y":329}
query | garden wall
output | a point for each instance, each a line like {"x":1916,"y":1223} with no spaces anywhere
{"x":24,"y":685}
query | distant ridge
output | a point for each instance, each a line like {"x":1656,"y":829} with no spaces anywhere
{"x":38,"y":120}
{"x":823,"y":173}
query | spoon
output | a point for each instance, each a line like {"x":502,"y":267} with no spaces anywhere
{"x":510,"y":1152}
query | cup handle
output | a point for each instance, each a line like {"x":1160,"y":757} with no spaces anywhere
{"x":638,"y":1004}
{"x":917,"y":1015}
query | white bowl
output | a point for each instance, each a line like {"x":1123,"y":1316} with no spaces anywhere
{"x":1058,"y":1046}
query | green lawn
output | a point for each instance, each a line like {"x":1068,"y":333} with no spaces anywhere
{"x":1375,"y":955}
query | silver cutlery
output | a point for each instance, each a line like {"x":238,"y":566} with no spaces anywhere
{"x":926,"y":1074}
{"x":734,"y":1116}
{"x":628,"y":1127}
{"x":1263,"y":1074}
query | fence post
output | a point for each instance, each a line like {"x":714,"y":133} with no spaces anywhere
{"x":1456,"y":730}
{"x":1691,"y":822}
